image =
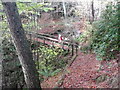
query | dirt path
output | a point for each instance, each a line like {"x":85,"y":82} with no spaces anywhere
{"x":87,"y":72}
{"x":81,"y":72}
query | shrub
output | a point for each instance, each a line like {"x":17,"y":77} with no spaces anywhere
{"x":50,"y":62}
{"x":105,"y":34}
{"x":9,"y":51}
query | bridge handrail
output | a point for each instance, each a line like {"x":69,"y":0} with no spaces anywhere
{"x":48,"y":37}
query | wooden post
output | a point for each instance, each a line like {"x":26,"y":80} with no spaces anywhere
{"x":30,"y":37}
{"x":44,"y":41}
{"x":63,"y":46}
{"x":52,"y":44}
{"x":37,"y":59}
{"x":76,"y":48}
{"x":72,"y":49}
{"x":30,"y":40}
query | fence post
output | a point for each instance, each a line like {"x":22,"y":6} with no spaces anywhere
{"x":30,"y":37}
{"x":72,"y":49}
{"x":76,"y":48}
{"x":44,"y":41}
{"x":38,"y":58}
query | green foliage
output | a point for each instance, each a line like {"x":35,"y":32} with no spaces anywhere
{"x":1,"y":13}
{"x":8,"y":48}
{"x":105,"y":34}
{"x":84,"y":36}
{"x":31,"y":12}
{"x":50,"y":62}
{"x":26,"y":7}
{"x":47,"y":73}
{"x":46,"y":9}
{"x":80,"y":38}
{"x":4,"y":28}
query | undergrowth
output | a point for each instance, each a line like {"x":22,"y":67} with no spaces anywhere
{"x":51,"y":61}
{"x":105,"y":40}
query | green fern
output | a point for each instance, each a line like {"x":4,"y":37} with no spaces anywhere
{"x":47,"y":73}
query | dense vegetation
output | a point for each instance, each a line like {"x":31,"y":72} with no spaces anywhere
{"x":51,"y":61}
{"x":101,"y":37}
{"x":105,"y":33}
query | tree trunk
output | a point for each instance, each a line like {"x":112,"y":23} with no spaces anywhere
{"x":1,"y":62}
{"x":93,"y":11}
{"x":22,"y":45}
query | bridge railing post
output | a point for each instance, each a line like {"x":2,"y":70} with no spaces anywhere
{"x":62,"y":46}
{"x":44,"y":41}
{"x":72,"y":49}
{"x":30,"y":37}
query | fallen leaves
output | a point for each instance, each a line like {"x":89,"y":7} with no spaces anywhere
{"x":84,"y":73}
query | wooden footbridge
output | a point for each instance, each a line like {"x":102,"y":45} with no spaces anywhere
{"x":51,"y":40}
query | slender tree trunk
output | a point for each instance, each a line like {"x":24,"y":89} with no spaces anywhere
{"x":1,"y":62}
{"x":93,"y":11}
{"x":22,"y":45}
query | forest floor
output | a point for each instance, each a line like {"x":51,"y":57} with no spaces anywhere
{"x":87,"y":72}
